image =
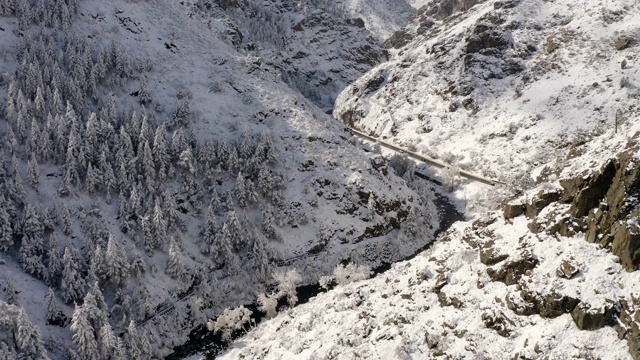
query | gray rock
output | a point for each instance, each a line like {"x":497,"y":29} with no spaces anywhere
{"x":587,"y":318}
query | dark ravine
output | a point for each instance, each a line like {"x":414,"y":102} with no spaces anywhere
{"x":201,"y":340}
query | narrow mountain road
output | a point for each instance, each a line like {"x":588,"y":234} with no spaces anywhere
{"x":425,"y":159}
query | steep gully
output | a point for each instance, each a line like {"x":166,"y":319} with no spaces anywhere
{"x":201,"y":340}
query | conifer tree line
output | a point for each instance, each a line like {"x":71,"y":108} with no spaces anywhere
{"x":146,"y":165}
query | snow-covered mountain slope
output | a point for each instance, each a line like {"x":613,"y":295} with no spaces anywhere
{"x":550,"y":276}
{"x":542,"y":95}
{"x":174,"y":173}
{"x":503,"y":87}
{"x":318,"y":47}
{"x":447,"y":302}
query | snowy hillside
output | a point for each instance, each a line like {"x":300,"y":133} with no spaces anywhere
{"x":503,"y":87}
{"x":154,"y":175}
{"x":317,"y":46}
{"x":543,"y":95}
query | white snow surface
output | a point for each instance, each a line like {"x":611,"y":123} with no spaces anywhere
{"x":392,"y":315}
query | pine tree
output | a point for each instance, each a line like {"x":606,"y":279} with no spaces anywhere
{"x":54,"y":315}
{"x":55,"y":260}
{"x":209,"y":233}
{"x":187,"y":161}
{"x":160,"y":155}
{"x":67,"y":227}
{"x":34,"y":172}
{"x":181,"y":117}
{"x":215,"y":204}
{"x":6,"y":232}
{"x":83,"y":333}
{"x":72,"y":284}
{"x":371,"y":206}
{"x":159,"y":225}
{"x":175,"y":267}
{"x":32,"y":246}
{"x":268,"y":223}
{"x":241,"y":191}
{"x":137,"y":265}
{"x":134,"y":343}
{"x":148,"y":165}
{"x":108,"y":342}
{"x":118,"y":265}
{"x":143,"y":93}
{"x":10,"y":289}
{"x":246,"y":145}
{"x":237,"y":236}
{"x":223,"y":152}
{"x":29,"y":340}
{"x":98,"y":267}
{"x":94,"y":179}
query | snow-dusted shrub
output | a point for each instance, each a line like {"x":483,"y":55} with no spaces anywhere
{"x":351,"y":273}
{"x":400,"y":164}
{"x":268,"y":305}
{"x":229,"y":321}
{"x":287,"y":284}
{"x":451,"y":177}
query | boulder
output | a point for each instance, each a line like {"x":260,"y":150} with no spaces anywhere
{"x":594,"y":190}
{"x":540,"y":201}
{"x":499,"y":322}
{"x":554,"y":305}
{"x":622,"y":42}
{"x":512,"y":271}
{"x":626,"y":244}
{"x":587,"y":318}
{"x":512,"y":210}
{"x":489,"y":255}
{"x":567,"y":269}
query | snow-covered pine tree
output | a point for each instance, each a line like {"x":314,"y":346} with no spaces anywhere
{"x":34,"y":172}
{"x":108,"y":342}
{"x":181,"y":117}
{"x":137,"y":266}
{"x":29,"y":339}
{"x":160,"y":154}
{"x":143,"y":93}
{"x":67,"y":227}
{"x":268,"y":223}
{"x":83,"y":333}
{"x":93,"y":180}
{"x":118,"y":270}
{"x":6,"y":232}
{"x":10,"y":289}
{"x":32,"y":247}
{"x":187,"y":161}
{"x":238,"y":236}
{"x":54,"y":314}
{"x":55,"y":264}
{"x":223,"y":151}
{"x":72,"y":283}
{"x":175,"y":266}
{"x":98,"y":266}
{"x":241,"y":190}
